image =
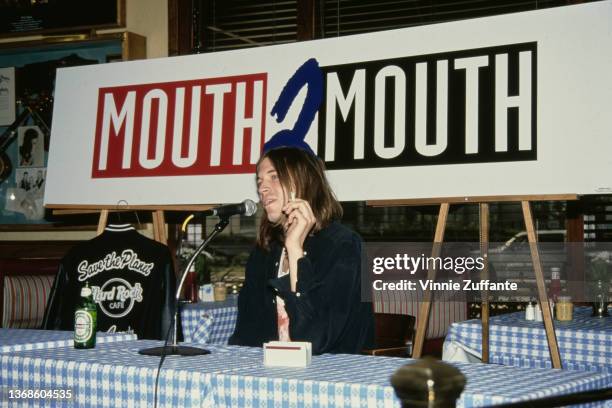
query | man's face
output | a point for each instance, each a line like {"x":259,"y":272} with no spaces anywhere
{"x":271,"y":193}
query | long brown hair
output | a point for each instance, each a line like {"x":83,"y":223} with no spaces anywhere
{"x":303,"y":173}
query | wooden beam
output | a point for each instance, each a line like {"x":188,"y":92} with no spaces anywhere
{"x":89,"y":209}
{"x":425,"y":307}
{"x":159,"y":227}
{"x":542,"y":295}
{"x":179,"y":27}
{"x":305,"y":20}
{"x":102,"y":222}
{"x":484,"y":251}
{"x":473,"y":200}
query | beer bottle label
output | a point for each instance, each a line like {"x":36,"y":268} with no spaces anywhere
{"x":83,"y":326}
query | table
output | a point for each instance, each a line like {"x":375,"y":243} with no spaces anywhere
{"x":27,"y":339}
{"x":209,"y":322}
{"x":585,"y":343}
{"x":363,"y":381}
{"x":113,"y":374}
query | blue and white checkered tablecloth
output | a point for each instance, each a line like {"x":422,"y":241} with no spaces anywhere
{"x":585,"y":343}
{"x":344,"y":380}
{"x":26,"y":339}
{"x":210,"y":322}
{"x":115,"y":375}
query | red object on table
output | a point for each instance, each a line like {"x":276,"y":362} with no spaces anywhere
{"x":190,"y":289}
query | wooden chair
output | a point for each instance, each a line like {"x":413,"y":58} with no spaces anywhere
{"x":445,"y":310}
{"x":393,"y":335}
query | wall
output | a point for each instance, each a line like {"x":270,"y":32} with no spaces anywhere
{"x":150,"y":18}
{"x":145,"y":17}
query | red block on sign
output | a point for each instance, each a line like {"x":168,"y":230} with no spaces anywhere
{"x":202,"y":126}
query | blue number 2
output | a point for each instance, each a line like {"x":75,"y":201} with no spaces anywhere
{"x":308,"y":74}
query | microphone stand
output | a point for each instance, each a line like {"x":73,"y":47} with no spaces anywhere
{"x":175,"y":349}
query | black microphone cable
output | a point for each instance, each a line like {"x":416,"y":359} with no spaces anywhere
{"x":163,"y":355}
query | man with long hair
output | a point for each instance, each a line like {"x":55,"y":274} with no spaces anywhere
{"x":303,"y":278}
{"x":26,"y":150}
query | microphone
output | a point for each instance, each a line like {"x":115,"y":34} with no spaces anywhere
{"x":247,"y":207}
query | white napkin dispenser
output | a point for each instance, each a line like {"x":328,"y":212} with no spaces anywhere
{"x":287,"y":353}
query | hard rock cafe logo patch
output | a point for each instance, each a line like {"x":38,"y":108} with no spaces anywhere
{"x":116,"y":297}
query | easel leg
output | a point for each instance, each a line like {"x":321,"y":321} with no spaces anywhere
{"x":484,"y":251}
{"x":425,"y":307}
{"x":159,"y":227}
{"x":102,"y":222}
{"x":542,"y":295}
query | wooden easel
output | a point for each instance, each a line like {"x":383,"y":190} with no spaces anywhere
{"x":159,"y":220}
{"x":159,"y":225}
{"x":483,"y":202}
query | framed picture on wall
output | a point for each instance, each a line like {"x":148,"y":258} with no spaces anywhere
{"x":30,"y":141}
{"x":21,"y":17}
{"x":26,"y":198}
{"x":23,"y":153}
{"x":7,"y":95}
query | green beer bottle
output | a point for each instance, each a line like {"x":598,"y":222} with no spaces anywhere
{"x":85,"y":318}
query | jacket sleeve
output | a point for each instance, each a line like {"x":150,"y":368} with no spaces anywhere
{"x":60,"y":306}
{"x":168,"y":304}
{"x":326,"y":306}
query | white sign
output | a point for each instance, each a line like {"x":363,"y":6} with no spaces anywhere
{"x":516,"y":104}
{"x":7,"y":96}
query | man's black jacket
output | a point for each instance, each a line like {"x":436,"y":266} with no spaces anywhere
{"x":326,"y":308}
